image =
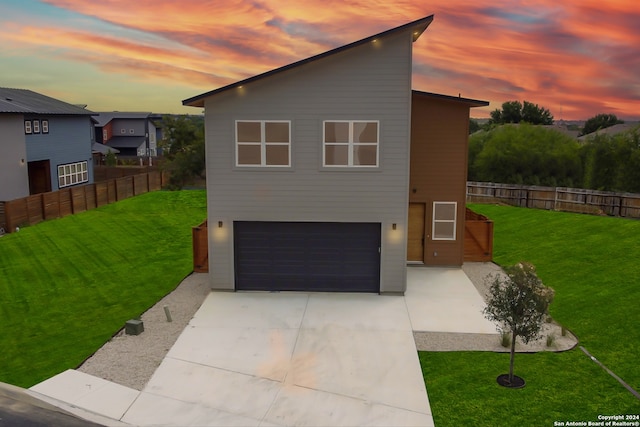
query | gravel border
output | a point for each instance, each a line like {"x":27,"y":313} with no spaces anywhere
{"x":478,"y":273}
{"x":131,"y":360}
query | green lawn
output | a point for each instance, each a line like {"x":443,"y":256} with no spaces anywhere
{"x":593,"y":263}
{"x":67,"y":285}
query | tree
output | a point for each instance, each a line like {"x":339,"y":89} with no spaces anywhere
{"x":110,"y":158}
{"x":518,"y":303}
{"x":525,"y":154}
{"x":516,"y":112}
{"x":474,"y":126}
{"x":183,"y":147}
{"x":600,"y":121}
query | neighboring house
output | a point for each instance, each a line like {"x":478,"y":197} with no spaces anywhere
{"x":611,"y":130}
{"x":308,"y":181}
{"x":45,"y":144}
{"x":133,"y":134}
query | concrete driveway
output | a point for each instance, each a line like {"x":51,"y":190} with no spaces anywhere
{"x":293,"y":359}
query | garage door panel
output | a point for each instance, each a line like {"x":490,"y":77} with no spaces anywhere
{"x":307,"y":256}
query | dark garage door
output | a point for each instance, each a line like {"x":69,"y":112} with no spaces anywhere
{"x":307,"y":256}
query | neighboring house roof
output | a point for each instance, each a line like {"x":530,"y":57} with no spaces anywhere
{"x":126,"y":141}
{"x":98,"y":148}
{"x":611,"y":130}
{"x":104,"y":118}
{"x":24,"y":101}
{"x":417,"y":27}
{"x":467,"y":101}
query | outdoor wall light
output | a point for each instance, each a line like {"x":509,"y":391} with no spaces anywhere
{"x":22,"y":161}
{"x":393,"y":226}
{"x":219,"y":224}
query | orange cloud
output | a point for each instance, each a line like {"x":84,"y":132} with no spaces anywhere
{"x":577,"y":57}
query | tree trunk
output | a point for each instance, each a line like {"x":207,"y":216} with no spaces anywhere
{"x":513,"y":352}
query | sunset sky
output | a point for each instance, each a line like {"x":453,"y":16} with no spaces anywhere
{"x":577,"y":58}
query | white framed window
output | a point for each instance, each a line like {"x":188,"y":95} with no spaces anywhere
{"x":27,"y":127}
{"x":265,"y":143}
{"x":105,"y":134}
{"x":350,"y":143}
{"x":36,"y":126}
{"x":45,"y":126}
{"x":72,"y":174}
{"x":444,"y":220}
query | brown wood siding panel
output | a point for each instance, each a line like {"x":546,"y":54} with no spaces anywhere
{"x":438,"y":169}
{"x":90,"y":196}
{"x":17,"y":213}
{"x":3,"y":217}
{"x":155,"y":181}
{"x":111,"y":192}
{"x":51,"y":203}
{"x":102,"y":193}
{"x":78,"y":200}
{"x":66,"y":206}
{"x":200,"y":248}
{"x":124,"y":188}
{"x":34,"y":206}
{"x":140,"y":184}
{"x":415,"y":232}
{"x":478,"y":241}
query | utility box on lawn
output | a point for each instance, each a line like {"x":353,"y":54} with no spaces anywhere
{"x":134,"y":327}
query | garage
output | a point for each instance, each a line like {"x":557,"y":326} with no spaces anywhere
{"x":307,"y":256}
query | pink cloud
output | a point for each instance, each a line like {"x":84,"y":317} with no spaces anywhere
{"x":577,"y":58}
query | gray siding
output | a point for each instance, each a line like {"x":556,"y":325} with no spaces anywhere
{"x":14,"y":176}
{"x":68,"y":141}
{"x":128,"y":125}
{"x":369,"y":82}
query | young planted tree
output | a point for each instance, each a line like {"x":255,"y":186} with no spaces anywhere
{"x":518,"y":303}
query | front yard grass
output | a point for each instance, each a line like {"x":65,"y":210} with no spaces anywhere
{"x":67,"y":285}
{"x":592,"y":263}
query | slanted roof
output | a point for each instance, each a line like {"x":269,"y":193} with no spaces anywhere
{"x":98,"y":148}
{"x":106,"y":117}
{"x":24,"y":101}
{"x":126,"y":141}
{"x":468,"y":101}
{"x":416,"y":27}
{"x":611,"y":130}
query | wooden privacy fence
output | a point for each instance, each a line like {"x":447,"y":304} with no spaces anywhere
{"x":478,"y":237}
{"x":556,"y":198}
{"x":39,"y":207}
{"x":200,"y":248}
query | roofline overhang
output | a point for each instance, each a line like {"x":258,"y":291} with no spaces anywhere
{"x":417,"y":27}
{"x":468,"y":101}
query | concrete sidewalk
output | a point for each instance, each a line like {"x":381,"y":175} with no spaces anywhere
{"x":303,"y":359}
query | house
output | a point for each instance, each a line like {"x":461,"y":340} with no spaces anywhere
{"x":308,"y":181}
{"x":611,"y":130}
{"x":45,"y":144}
{"x":134,"y":134}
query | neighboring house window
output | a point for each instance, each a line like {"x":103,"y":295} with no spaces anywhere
{"x":444,"y":220}
{"x":45,"y":126}
{"x":350,"y":143}
{"x":263,"y":143}
{"x":72,"y":173}
{"x":27,"y":126}
{"x":105,"y":135}
{"x":36,"y":126}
